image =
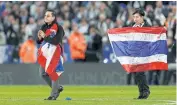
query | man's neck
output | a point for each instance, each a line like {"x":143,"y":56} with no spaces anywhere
{"x":49,"y":23}
{"x":139,"y":24}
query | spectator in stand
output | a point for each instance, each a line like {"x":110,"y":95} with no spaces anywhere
{"x":28,"y":51}
{"x":77,"y":44}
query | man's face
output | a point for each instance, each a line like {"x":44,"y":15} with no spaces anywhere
{"x":137,"y":18}
{"x":48,"y":18}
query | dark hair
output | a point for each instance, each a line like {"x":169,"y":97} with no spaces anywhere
{"x":139,"y":11}
{"x":53,"y":12}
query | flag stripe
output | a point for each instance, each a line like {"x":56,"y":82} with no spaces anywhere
{"x":54,"y":76}
{"x":41,"y":59}
{"x":51,"y":70}
{"x":150,"y":30}
{"x":48,"y":58}
{"x":48,"y":53}
{"x":142,"y":60}
{"x":139,"y":48}
{"x":54,"y":61}
{"x":137,"y":37}
{"x":146,"y":67}
{"x":60,"y":68}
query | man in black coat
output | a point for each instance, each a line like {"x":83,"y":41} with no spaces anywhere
{"x":140,"y":77}
{"x":94,"y":47}
{"x":52,"y":33}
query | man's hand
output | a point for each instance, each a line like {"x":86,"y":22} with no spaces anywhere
{"x":41,"y":34}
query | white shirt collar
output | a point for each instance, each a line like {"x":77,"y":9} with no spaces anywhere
{"x":138,"y":25}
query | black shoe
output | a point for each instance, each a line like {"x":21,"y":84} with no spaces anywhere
{"x":139,"y":97}
{"x":59,"y":91}
{"x":144,"y":95}
{"x":51,"y":98}
{"x":55,"y":97}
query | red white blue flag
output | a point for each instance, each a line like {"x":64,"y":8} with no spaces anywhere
{"x":140,"y":48}
{"x":49,"y":58}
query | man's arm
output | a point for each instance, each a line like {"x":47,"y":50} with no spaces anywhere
{"x":53,"y":35}
{"x":39,"y":38}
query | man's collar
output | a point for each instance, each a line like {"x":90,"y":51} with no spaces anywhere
{"x":138,"y":25}
{"x":51,"y":23}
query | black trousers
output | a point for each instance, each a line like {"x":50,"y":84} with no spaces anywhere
{"x":141,"y":81}
{"x":154,"y":77}
{"x":170,"y":74}
{"x":129,"y":79}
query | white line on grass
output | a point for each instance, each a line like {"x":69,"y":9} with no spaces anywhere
{"x":89,"y":99}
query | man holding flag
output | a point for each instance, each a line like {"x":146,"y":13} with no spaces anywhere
{"x":50,"y":54}
{"x":140,"y":77}
{"x":140,"y":48}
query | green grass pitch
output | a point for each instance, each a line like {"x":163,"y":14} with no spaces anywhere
{"x":86,"y":95}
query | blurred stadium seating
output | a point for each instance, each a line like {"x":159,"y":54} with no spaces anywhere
{"x":20,"y":19}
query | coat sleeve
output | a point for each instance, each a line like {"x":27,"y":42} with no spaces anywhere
{"x":54,"y":34}
{"x":40,"y":41}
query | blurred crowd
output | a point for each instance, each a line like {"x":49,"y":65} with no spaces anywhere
{"x":85,"y":24}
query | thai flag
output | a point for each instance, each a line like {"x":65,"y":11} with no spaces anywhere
{"x":49,"y":58}
{"x":140,"y":48}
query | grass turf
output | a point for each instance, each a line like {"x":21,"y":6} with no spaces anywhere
{"x":86,"y":95}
